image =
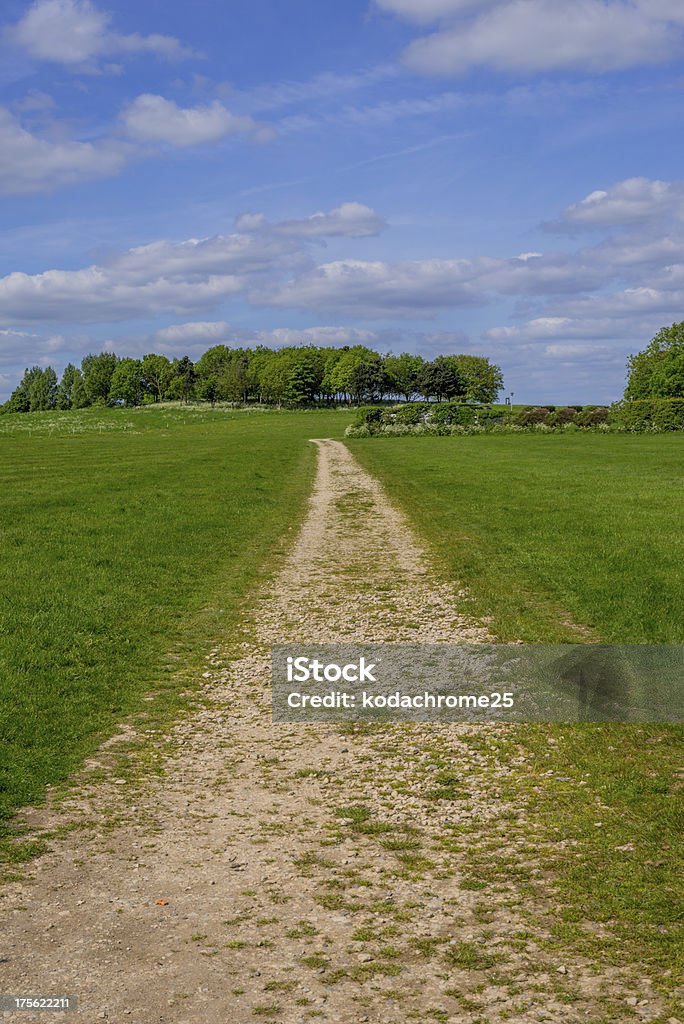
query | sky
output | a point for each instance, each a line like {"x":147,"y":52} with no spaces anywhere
{"x":498,"y":177}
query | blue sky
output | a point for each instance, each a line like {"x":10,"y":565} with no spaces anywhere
{"x":500,"y":177}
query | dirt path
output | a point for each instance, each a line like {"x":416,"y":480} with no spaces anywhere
{"x":306,"y":873}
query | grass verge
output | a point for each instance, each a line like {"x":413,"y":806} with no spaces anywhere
{"x":552,"y":528}
{"x":129,"y":541}
{"x":549,"y":533}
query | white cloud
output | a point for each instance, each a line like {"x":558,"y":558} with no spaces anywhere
{"x":199,"y":330}
{"x":75,"y":32}
{"x":29,"y":163}
{"x":557,"y":327}
{"x":546,"y":35}
{"x":19,"y":350}
{"x":151,"y":118}
{"x":99,"y":294}
{"x":549,"y":274}
{"x":171,"y":277}
{"x":161,"y":277}
{"x":330,"y":336}
{"x":378,"y":289}
{"x":664,"y":304}
{"x":351,"y":220}
{"x":627,"y":202}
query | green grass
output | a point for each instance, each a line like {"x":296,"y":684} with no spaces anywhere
{"x":585,"y":529}
{"x":550,"y":529}
{"x":129,"y":542}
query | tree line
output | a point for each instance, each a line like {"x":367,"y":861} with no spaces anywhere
{"x":291,"y":376}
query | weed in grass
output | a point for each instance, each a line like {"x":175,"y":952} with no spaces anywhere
{"x":315,"y":962}
{"x":303,"y":930}
{"x":470,"y":956}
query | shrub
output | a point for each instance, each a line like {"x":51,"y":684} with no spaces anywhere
{"x":369,"y":416}
{"x":562,"y":416}
{"x":592,"y":416}
{"x":487,"y":416}
{"x":410,"y":413}
{"x":448,"y":413}
{"x":649,"y":414}
{"x":530,"y":417}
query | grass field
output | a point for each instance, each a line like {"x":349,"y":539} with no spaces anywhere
{"x":129,"y":540}
{"x":549,"y":530}
{"x":585,"y":529}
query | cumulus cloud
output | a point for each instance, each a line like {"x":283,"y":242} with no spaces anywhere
{"x":627,"y":284}
{"x":161,"y":277}
{"x":331,"y":336}
{"x":556,"y":327}
{"x":20,"y":349}
{"x":353,"y":220}
{"x":152,"y":118}
{"x":77,"y":33}
{"x":379,"y":289}
{"x":541,"y":35}
{"x":164,"y":276}
{"x":627,"y":202}
{"x":29,"y":163}
{"x":21,"y":346}
{"x":212,"y":331}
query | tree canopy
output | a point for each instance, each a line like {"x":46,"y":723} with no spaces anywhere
{"x":658,"y":371}
{"x":292,"y":376}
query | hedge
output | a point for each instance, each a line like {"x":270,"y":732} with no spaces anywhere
{"x":641,"y":414}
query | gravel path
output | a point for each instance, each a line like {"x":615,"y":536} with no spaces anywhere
{"x":298,"y":873}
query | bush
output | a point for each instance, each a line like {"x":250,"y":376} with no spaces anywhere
{"x":451,"y":413}
{"x":411,"y":413}
{"x":488,"y":416}
{"x":649,"y":414}
{"x":562,"y":416}
{"x":531,"y":417}
{"x":369,"y":417}
{"x":592,"y":416}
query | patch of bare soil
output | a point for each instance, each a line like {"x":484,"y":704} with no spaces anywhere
{"x":298,"y":873}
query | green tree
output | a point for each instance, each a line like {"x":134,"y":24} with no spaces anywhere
{"x":127,"y":383}
{"x":37,"y":391}
{"x":182,"y":384}
{"x":234,"y":379}
{"x":157,"y":374}
{"x":337,"y":380}
{"x":368,"y":381}
{"x":658,"y":371}
{"x":97,"y":376}
{"x":274,"y":377}
{"x":68,"y":388}
{"x":440,"y":379}
{"x":305,"y":377}
{"x":482,"y":379}
{"x":208,"y":389}
{"x":213,"y":362}
{"x":404,"y":373}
